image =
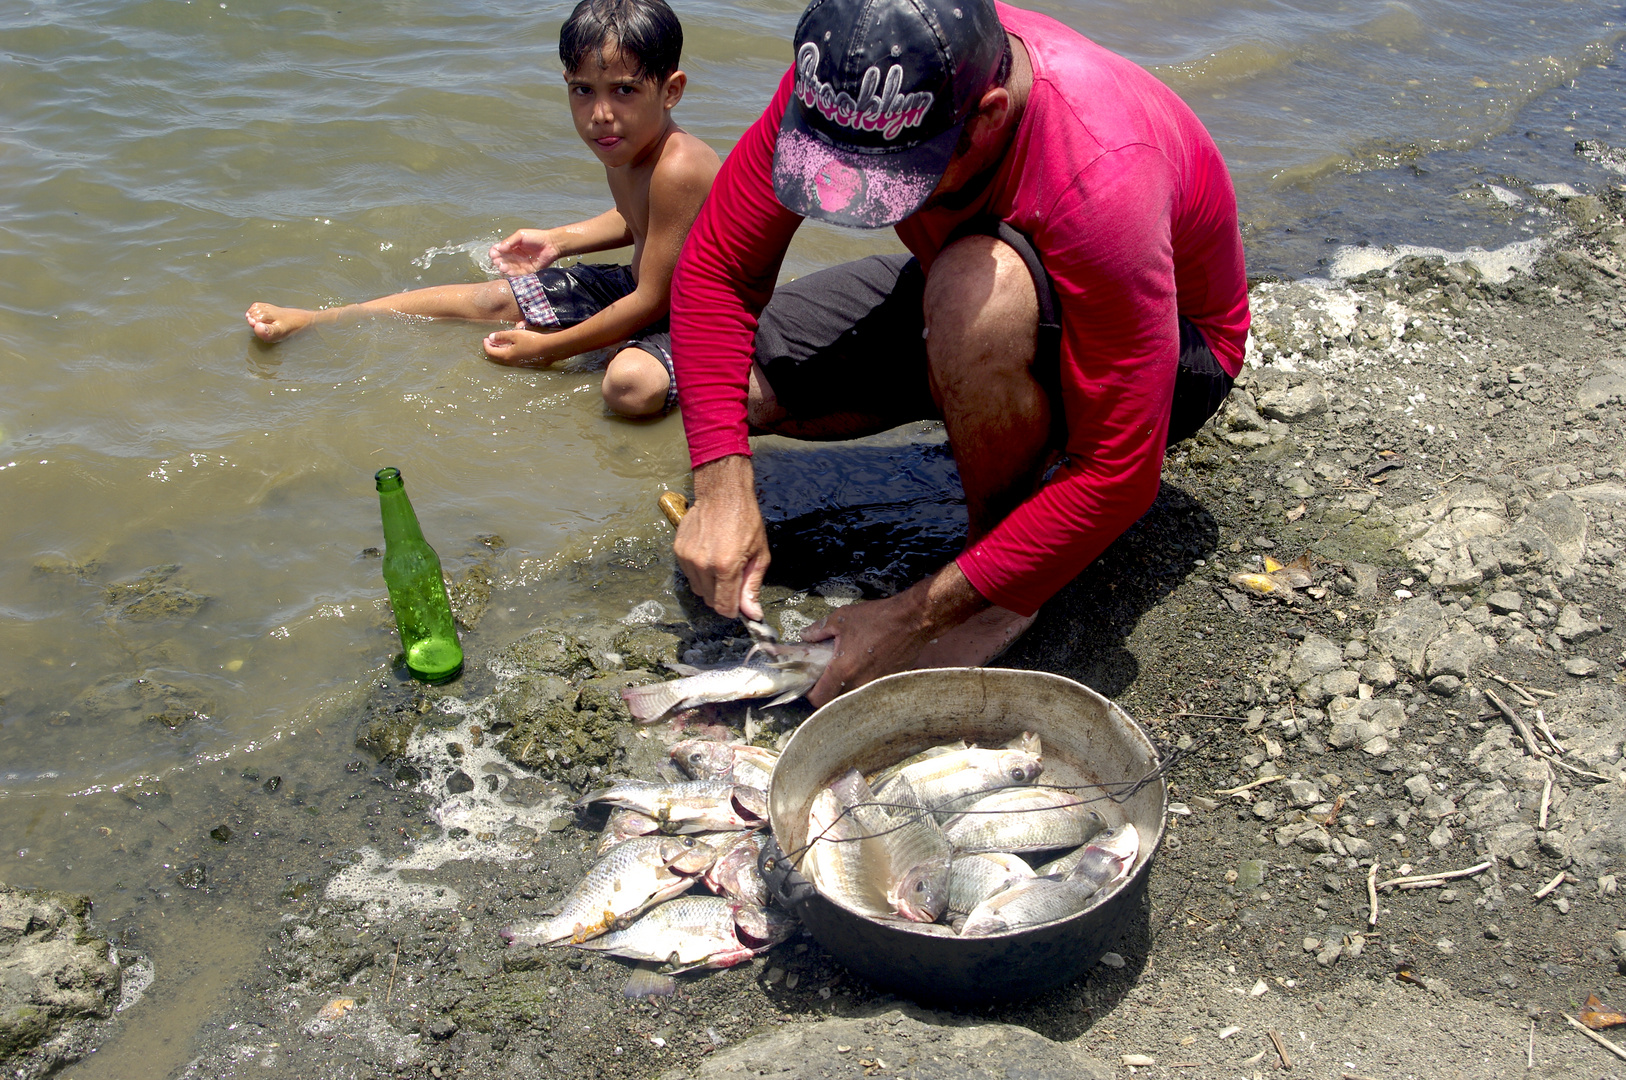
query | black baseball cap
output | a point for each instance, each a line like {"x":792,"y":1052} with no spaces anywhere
{"x":881,"y":91}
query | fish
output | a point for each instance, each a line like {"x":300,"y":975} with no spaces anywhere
{"x":740,"y":763}
{"x":835,"y":860}
{"x":1278,"y":579}
{"x":624,"y":824}
{"x":1023,"y":819}
{"x":947,"y":782}
{"x":783,"y":670}
{"x":974,"y":878}
{"x":689,"y":806}
{"x":1108,"y":858}
{"x":913,"y":868}
{"x":1027,"y":903}
{"x":636,"y":875}
{"x":1031,"y":902}
{"x":696,"y":932}
{"x":735,"y":873}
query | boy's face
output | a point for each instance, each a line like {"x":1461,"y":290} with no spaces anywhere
{"x":618,"y":115}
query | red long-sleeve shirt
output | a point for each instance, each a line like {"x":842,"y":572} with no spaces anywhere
{"x":1131,"y":210}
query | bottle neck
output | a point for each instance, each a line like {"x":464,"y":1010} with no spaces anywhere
{"x":400,"y":523}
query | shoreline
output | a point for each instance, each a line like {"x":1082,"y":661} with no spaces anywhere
{"x":1419,"y":430}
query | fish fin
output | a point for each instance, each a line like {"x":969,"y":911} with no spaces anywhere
{"x":850,"y":788}
{"x":685,"y":670}
{"x":652,"y":702}
{"x":788,"y":695}
{"x":646,"y":982}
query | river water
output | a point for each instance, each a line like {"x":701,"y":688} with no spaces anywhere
{"x":186,"y":511}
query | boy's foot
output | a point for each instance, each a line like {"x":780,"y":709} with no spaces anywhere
{"x":979,"y":640}
{"x":272,"y":323}
{"x":518,"y":347}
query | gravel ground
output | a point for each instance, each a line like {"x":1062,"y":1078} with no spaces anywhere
{"x":1444,"y":450}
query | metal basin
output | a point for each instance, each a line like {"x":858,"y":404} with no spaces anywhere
{"x":1088,"y":740}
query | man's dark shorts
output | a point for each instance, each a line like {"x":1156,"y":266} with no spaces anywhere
{"x":851,"y":339}
{"x":560,"y":296}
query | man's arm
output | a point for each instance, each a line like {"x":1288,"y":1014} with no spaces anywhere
{"x":884,"y":636}
{"x":724,"y":278}
{"x":677,"y":188}
{"x":530,"y":250}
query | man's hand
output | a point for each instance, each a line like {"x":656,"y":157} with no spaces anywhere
{"x":525,"y":252}
{"x":721,"y":543}
{"x":881,"y":637}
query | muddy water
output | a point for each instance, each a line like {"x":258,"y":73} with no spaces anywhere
{"x":187,"y":513}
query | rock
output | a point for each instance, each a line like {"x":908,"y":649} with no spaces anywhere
{"x":1437,"y":806}
{"x":1293,"y":404}
{"x":1419,"y":787}
{"x":1341,"y":683}
{"x":1455,"y":653}
{"x":1444,"y":685}
{"x":1504,"y":601}
{"x":1302,"y":793}
{"x":1379,"y":672}
{"x":1405,"y":636}
{"x":905,"y":1038}
{"x":1564,"y":523}
{"x":1316,"y":655}
{"x":54,"y":973}
{"x":1264,"y":810}
{"x":1582,"y":667}
{"x":1574,"y":627}
{"x":1607,"y":384}
{"x":1524,"y":547}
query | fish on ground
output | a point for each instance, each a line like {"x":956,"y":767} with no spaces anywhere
{"x":735,"y":874}
{"x":913,"y":868}
{"x":636,"y":875}
{"x":781,"y":670}
{"x":697,"y":932}
{"x":689,"y":806}
{"x":624,"y":824}
{"x":739,"y":763}
{"x":1033,"y":901}
{"x":1023,"y":819}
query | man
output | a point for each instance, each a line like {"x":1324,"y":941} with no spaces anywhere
{"x":1076,"y":301}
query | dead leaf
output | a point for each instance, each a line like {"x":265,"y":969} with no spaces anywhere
{"x":1297,"y":512}
{"x":1595,"y":1017}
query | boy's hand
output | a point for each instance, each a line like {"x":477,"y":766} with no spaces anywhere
{"x":525,"y":252}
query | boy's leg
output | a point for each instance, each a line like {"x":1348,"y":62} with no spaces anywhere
{"x":485,"y":301}
{"x":637,"y":383}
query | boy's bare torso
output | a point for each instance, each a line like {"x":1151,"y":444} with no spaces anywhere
{"x":629,"y":185}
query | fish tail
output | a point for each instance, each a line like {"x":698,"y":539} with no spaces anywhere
{"x":650,"y":703}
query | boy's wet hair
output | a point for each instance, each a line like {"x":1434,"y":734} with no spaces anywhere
{"x":646,"y":32}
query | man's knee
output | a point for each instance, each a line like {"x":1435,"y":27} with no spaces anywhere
{"x":980,"y":289}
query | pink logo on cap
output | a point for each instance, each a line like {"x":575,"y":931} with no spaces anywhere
{"x":838,"y":186}
{"x":888,"y":112}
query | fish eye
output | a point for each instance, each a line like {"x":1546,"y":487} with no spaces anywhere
{"x":1018,"y":774}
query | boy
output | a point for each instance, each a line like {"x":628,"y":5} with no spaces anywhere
{"x":622,"y":79}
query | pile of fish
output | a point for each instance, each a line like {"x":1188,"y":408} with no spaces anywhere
{"x":660,"y":839}
{"x":939,"y":839}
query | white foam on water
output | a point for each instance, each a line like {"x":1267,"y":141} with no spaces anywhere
{"x":645,"y":614}
{"x":1497,"y":266}
{"x":473,"y":824}
{"x":138,"y":975}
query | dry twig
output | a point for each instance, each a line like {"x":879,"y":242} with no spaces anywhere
{"x":1249,"y":787}
{"x":1546,"y":800}
{"x":1444,"y":875}
{"x":1547,"y":732}
{"x":1372,"y":893}
{"x":1518,"y":724}
{"x":1546,"y":890}
{"x":1281,"y":1048}
{"x":1607,"y":1044}
{"x":394,"y":960}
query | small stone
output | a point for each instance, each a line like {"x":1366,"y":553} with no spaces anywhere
{"x":1582,"y":667}
{"x":1112,"y":960}
{"x":220,"y":834}
{"x":272,"y":784}
{"x":1250,"y":874}
{"x":1312,"y":944}
{"x":459,"y":782}
{"x":1447,"y":896}
{"x":1264,"y":810}
{"x":1504,"y":601}
{"x":1444,"y":685}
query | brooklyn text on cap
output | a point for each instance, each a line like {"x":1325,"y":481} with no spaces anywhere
{"x":881,"y":91}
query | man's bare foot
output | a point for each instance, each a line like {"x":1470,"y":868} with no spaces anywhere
{"x":272,"y":323}
{"x":979,"y":640}
{"x":518,"y":347}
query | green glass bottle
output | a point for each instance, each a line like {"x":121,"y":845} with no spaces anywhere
{"x":423,"y":613}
